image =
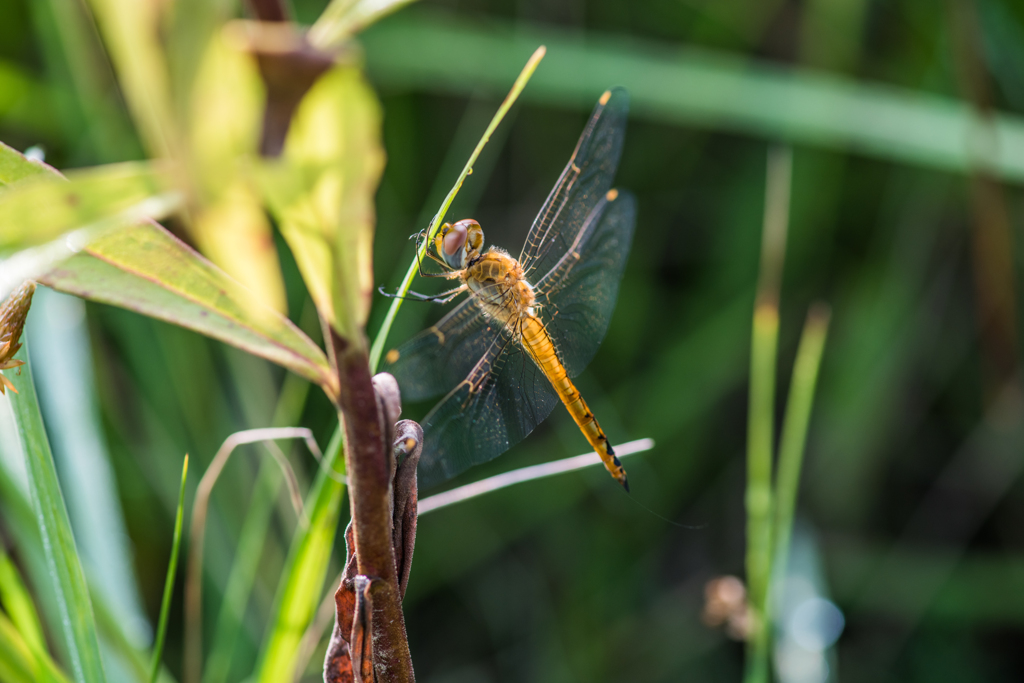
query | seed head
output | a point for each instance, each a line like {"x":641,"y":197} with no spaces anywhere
{"x":12,"y":321}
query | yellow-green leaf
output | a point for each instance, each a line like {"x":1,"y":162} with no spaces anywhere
{"x":322,"y":192}
{"x":14,"y":166}
{"x":226,"y":114}
{"x":146,"y":269}
{"x":42,"y":207}
{"x":236,"y":235}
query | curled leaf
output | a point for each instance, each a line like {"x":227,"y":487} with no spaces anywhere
{"x":322,"y":192}
{"x":12,"y":322}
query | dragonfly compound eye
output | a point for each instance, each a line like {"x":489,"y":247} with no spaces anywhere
{"x":452,"y":243}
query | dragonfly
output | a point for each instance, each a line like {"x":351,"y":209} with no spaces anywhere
{"x":506,"y":355}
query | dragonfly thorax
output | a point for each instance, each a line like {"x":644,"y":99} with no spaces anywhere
{"x":499,"y":286}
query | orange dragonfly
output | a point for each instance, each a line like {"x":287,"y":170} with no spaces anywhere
{"x":506,"y":355}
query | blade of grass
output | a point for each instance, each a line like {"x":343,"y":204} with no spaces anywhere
{"x":525,"y":474}
{"x":763,"y":350}
{"x":15,"y":657}
{"x":172,"y":567}
{"x":697,"y":88}
{"x":476,"y":116}
{"x":93,"y":121}
{"x":794,"y":433}
{"x":131,"y":33}
{"x":23,"y":617}
{"x":524,"y":76}
{"x":67,"y":580}
{"x":68,"y":396}
{"x":302,"y":580}
{"x":17,"y":602}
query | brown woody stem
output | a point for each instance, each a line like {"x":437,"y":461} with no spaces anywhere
{"x":369,"y":475}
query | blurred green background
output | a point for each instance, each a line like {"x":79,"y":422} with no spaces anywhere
{"x":908,"y":155}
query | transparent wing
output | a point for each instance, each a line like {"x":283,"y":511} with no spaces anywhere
{"x":441,"y":356}
{"x":585,"y":180}
{"x":577,"y":295}
{"x":497,"y":405}
{"x":504,"y":396}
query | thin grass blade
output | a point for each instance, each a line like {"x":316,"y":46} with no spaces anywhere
{"x":67,"y":580}
{"x":377,"y":349}
{"x":793,"y":441}
{"x":761,"y":416}
{"x":17,"y":602}
{"x":172,"y":570}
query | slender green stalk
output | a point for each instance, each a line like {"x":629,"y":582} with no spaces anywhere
{"x":382,"y":336}
{"x":302,"y":580}
{"x":763,"y":349}
{"x":794,"y":432}
{"x":172,"y":567}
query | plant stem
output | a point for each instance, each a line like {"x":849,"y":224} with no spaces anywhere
{"x":793,"y":441}
{"x":764,"y":345}
{"x":369,"y":480}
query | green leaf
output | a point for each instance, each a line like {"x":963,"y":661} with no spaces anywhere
{"x":43,"y":207}
{"x":146,"y":269}
{"x":323,"y":195}
{"x":67,"y":580}
{"x":697,"y":88}
{"x":54,"y":218}
{"x":301,"y":586}
{"x":14,"y":166}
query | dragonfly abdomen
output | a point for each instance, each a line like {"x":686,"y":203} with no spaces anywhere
{"x":538,"y":344}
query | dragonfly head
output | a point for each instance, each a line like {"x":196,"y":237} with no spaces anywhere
{"x":459,"y":243}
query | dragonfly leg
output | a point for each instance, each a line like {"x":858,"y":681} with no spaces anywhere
{"x":442,"y":298}
{"x":448,"y":271}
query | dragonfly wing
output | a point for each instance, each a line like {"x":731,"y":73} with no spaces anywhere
{"x":437,"y":359}
{"x":577,"y":295}
{"x":497,"y":405}
{"x":586,"y":179}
